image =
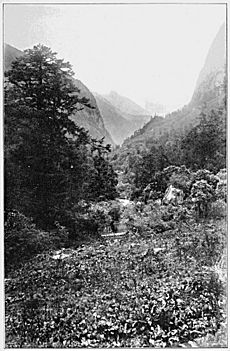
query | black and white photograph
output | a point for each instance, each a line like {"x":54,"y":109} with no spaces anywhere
{"x":115,"y":175}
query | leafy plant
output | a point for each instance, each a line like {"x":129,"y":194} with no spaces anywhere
{"x":111,"y":294}
{"x":22,"y":240}
{"x":218,"y":209}
{"x":202,"y":194}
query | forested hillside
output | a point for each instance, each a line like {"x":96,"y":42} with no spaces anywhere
{"x":178,"y":131}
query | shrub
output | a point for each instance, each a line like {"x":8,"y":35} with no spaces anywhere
{"x":60,"y":236}
{"x":218,"y":209}
{"x":221,"y":189}
{"x":181,"y":181}
{"x":202,"y":193}
{"x":204,"y":242}
{"x":89,"y":220}
{"x":222,"y":174}
{"x":22,"y":240}
{"x":146,"y":221}
{"x":209,"y":177}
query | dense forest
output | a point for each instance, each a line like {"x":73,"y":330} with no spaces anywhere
{"x":109,"y":246}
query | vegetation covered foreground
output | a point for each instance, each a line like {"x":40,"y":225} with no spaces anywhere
{"x":163,"y":284}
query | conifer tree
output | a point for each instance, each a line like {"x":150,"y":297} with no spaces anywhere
{"x":207,"y":141}
{"x":46,"y":154}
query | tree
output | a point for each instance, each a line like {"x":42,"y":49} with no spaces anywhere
{"x":151,"y":162}
{"x":42,"y":82}
{"x":103,"y":179}
{"x":47,"y":156}
{"x":207,"y":142}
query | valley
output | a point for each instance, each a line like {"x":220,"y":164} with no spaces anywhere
{"x":115,"y":220}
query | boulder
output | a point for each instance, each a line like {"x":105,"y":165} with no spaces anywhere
{"x":173,"y":196}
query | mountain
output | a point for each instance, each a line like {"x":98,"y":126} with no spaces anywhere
{"x":211,"y":77}
{"x":118,"y":127}
{"x":121,"y":115}
{"x":125,"y":105}
{"x":10,"y":54}
{"x":88,"y":118}
{"x":91,"y":118}
{"x":216,"y":57}
{"x":129,"y":109}
{"x":155,"y":108}
{"x":209,"y":94}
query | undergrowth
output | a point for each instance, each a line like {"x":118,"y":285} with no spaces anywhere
{"x":121,"y":293}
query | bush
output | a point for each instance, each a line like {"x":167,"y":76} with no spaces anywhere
{"x":203,"y":242}
{"x":202,"y":194}
{"x":146,"y":221}
{"x":89,"y":220}
{"x":221,"y":189}
{"x":22,"y":240}
{"x":181,"y":181}
{"x":209,"y":177}
{"x":218,"y":209}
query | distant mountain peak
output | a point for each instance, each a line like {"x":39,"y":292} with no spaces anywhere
{"x":11,"y":54}
{"x":216,"y":57}
{"x":124,"y":104}
{"x":113,"y":93}
{"x":211,"y":77}
{"x":120,"y":124}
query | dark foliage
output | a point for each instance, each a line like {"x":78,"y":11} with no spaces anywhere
{"x":23,"y":240}
{"x":51,"y":164}
{"x":207,"y":141}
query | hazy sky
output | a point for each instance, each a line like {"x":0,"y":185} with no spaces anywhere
{"x":145,"y":52}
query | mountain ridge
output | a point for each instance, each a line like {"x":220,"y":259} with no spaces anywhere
{"x":118,"y":126}
{"x":216,"y":56}
{"x":121,"y":115}
{"x":125,"y":104}
{"x":209,"y":94}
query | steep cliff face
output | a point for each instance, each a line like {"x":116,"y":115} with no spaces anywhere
{"x":118,"y":126}
{"x":209,"y":86}
{"x":208,"y":94}
{"x":88,"y":118}
{"x":121,"y":115}
{"x":91,"y":118}
{"x":216,"y":57}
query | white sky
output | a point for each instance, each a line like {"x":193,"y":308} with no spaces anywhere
{"x":152,"y":52}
